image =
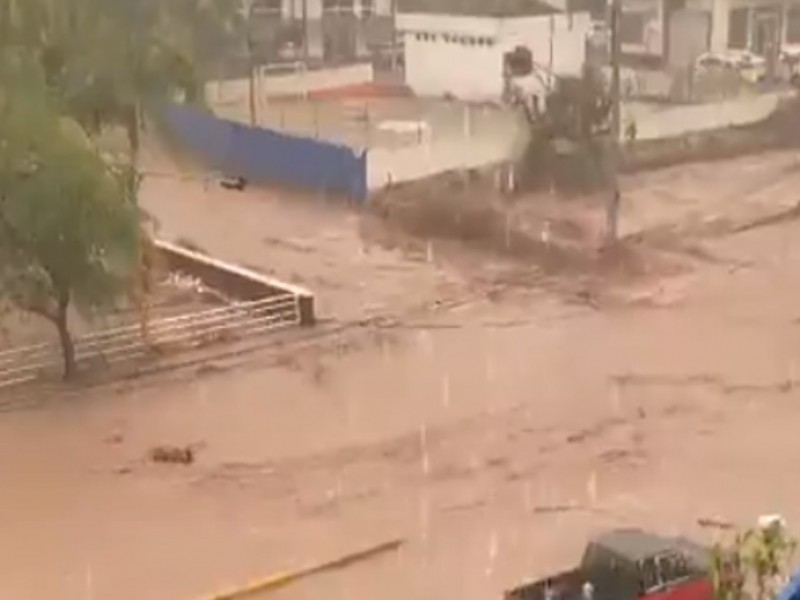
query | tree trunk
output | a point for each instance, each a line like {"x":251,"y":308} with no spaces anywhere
{"x":142,"y":276}
{"x":143,"y":284}
{"x":67,"y":346}
{"x":133,"y":127}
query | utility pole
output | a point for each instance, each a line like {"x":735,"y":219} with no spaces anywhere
{"x":395,"y":56}
{"x":304,"y":13}
{"x":550,"y":82}
{"x":247,"y":13}
{"x":613,"y":158}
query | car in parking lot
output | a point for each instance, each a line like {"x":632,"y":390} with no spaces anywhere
{"x":790,"y":63}
{"x":749,"y":65}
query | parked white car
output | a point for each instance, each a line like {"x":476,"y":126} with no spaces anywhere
{"x":790,"y":63}
{"x":749,"y":65}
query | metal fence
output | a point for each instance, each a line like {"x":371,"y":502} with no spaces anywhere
{"x":126,"y":344}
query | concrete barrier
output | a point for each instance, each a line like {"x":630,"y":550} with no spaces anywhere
{"x":302,"y":83}
{"x":781,"y":129}
{"x":666,"y":121}
{"x":298,"y":84}
{"x":238,"y":282}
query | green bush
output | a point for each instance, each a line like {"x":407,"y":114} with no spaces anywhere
{"x":755,"y":565}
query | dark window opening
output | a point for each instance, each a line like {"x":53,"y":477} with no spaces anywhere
{"x":367,"y":8}
{"x":631,"y":28}
{"x":793,"y":25}
{"x":737,"y":28}
{"x":267,"y":7}
{"x":338,"y":6}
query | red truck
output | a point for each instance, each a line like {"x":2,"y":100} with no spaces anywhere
{"x":629,"y":564}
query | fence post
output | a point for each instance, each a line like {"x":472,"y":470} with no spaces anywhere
{"x":367,"y":124}
{"x":467,"y":121}
{"x":305,"y":309}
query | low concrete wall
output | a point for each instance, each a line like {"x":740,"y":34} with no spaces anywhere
{"x":368,"y":89}
{"x":299,"y":84}
{"x":781,"y":129}
{"x":238,"y":282}
{"x":666,"y":121}
{"x":305,"y":82}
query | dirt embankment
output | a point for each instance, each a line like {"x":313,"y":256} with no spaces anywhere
{"x":550,"y":234}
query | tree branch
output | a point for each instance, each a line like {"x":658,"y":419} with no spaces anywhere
{"x":37,"y":310}
{"x":8,"y":228}
{"x":32,"y":307}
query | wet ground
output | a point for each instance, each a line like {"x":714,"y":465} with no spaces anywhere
{"x":494,"y":428}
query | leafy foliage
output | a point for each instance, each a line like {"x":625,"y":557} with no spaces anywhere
{"x":754,"y":566}
{"x":102,"y":63}
{"x":567,"y":139}
{"x":68,"y":227}
{"x":106,"y":60}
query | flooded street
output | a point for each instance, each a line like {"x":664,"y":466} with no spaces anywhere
{"x":493,"y":433}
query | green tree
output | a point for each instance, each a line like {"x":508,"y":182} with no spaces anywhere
{"x":68,"y":228}
{"x":754,"y":566}
{"x":108,"y":61}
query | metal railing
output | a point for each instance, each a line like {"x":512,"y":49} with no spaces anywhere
{"x":120,"y":344}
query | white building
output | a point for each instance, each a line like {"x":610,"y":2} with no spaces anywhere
{"x":322,"y":31}
{"x":655,"y":27}
{"x":751,"y":24}
{"x":462,"y":55}
{"x":314,"y":9}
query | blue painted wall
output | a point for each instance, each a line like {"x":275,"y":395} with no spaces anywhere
{"x":265,"y":156}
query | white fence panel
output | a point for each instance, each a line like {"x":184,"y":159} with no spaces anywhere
{"x":120,"y":344}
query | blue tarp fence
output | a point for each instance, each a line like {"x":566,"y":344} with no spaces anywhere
{"x":792,"y":590}
{"x":265,"y":156}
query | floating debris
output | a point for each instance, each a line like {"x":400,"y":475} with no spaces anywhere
{"x":176,"y":455}
{"x":181,"y":281}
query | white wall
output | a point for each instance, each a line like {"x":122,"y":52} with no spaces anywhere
{"x":231,"y":92}
{"x":442,"y":57}
{"x":689,"y":34}
{"x":681,"y":120}
{"x":719,"y":25}
{"x":383,"y":7}
{"x":468,"y":72}
{"x":302,"y":82}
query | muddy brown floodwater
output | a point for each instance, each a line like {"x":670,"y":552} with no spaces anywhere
{"x":493,"y":432}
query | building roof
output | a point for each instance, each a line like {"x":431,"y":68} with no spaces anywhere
{"x":634,"y":544}
{"x":479,"y":8}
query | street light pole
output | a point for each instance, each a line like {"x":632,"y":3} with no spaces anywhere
{"x":612,"y":215}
